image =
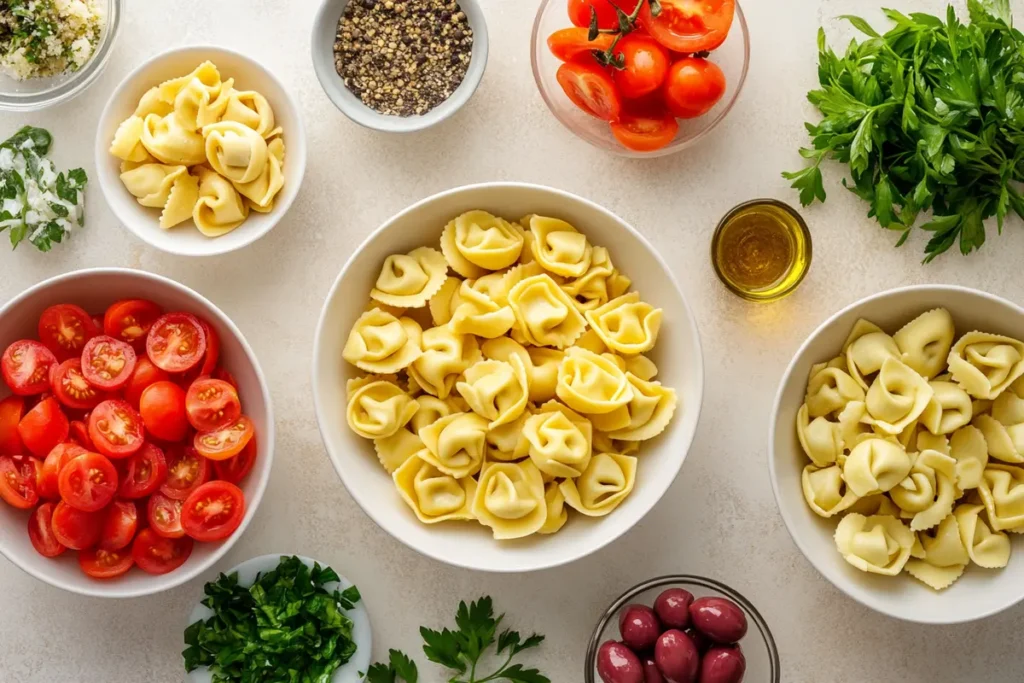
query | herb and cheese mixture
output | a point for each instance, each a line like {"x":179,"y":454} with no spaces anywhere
{"x":36,"y":202}
{"x":40,"y":38}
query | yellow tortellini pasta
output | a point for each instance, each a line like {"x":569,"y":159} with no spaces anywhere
{"x":377,"y":407}
{"x":557,"y":514}
{"x":252,"y":110}
{"x":410,"y":280}
{"x":169,"y":188}
{"x":897,"y":397}
{"x":968,"y":447}
{"x":601,"y":283}
{"x":496,"y":390}
{"x":477,"y":242}
{"x":220,"y":208}
{"x":127,"y":143}
{"x":928,"y":491}
{"x":925,"y":341}
{"x":879,"y":544}
{"x":544,"y":314}
{"x":986,"y":548}
{"x":592,"y":384}
{"x":477,"y":313}
{"x":455,"y":444}
{"x":986,"y":364}
{"x":445,"y":355}
{"x":559,"y":440}
{"x":559,"y":247}
{"x":948,"y":410}
{"x":510,"y":499}
{"x":1002,"y":491}
{"x":433,"y":495}
{"x":825,"y":491}
{"x":866,"y":349}
{"x":170,"y":141}
{"x":605,"y":483}
{"x":380,"y":342}
{"x":626,"y":324}
{"x":1003,"y":426}
{"x":939,"y":559}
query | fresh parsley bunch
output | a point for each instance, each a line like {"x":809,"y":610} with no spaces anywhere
{"x":928,"y":116}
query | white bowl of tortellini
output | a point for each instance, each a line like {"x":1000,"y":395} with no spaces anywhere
{"x":200,"y":151}
{"x":506,"y":398}
{"x":897,"y":452}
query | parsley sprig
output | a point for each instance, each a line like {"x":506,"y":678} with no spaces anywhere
{"x":929,"y":117}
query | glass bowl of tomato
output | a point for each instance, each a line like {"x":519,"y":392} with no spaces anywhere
{"x":136,"y":432}
{"x":650,"y":91}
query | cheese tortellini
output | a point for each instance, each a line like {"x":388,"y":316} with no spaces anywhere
{"x":507,"y":383}
{"x":197,"y":148}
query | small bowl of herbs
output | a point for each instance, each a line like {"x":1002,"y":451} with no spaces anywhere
{"x":399,"y":65}
{"x":274,"y":614}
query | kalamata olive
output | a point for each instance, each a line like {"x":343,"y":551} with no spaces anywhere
{"x":723,"y":665}
{"x":651,"y":673}
{"x":702,"y":642}
{"x":639,"y":627}
{"x":719,"y":619}
{"x":616,"y":663}
{"x":673,"y":608}
{"x":677,"y":657}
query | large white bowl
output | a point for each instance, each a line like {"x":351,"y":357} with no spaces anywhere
{"x":677,"y":354}
{"x":980,"y":592}
{"x":94,"y":290}
{"x":185,"y":239}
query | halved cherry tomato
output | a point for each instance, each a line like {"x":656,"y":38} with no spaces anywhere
{"x":213,"y":511}
{"x":129,"y":320}
{"x":645,"y":132}
{"x":212,"y":404}
{"x":221,"y":373}
{"x":164,"y":515}
{"x":88,"y":482}
{"x":212,"y":348}
{"x":145,"y":374}
{"x":569,"y":43}
{"x":43,"y":427}
{"x":162,"y":407}
{"x":225,"y":442}
{"x":108,"y":363}
{"x":11,"y":410}
{"x":119,"y":525}
{"x":144,"y":473}
{"x":176,"y":342}
{"x":591,"y":89}
{"x":693,"y":87}
{"x":646,"y":64}
{"x":579,"y":13}
{"x":56,"y":459}
{"x":116,"y":429}
{"x":26,"y":367}
{"x":186,"y":471}
{"x":40,"y":531}
{"x":18,"y":481}
{"x":70,"y":386}
{"x":157,"y":555}
{"x":689,"y":25}
{"x":76,"y":529}
{"x":65,"y":328}
{"x":79,"y":433}
{"x":234,"y":469}
{"x":105,"y":564}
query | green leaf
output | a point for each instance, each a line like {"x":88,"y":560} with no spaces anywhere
{"x":403,"y":666}
{"x":594,"y":30}
{"x":861,"y":25}
{"x":533,"y":641}
{"x":884,"y":202}
{"x":442,"y":647}
{"x":517,"y":674}
{"x":860,"y":148}
{"x":809,"y":182}
{"x":380,"y":673}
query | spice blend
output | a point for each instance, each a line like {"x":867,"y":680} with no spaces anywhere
{"x":403,"y":57}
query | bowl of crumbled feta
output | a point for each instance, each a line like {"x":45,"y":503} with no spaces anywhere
{"x":51,"y":50}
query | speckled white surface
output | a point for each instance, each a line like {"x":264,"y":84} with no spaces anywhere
{"x":719,"y":519}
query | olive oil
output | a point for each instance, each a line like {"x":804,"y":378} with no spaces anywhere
{"x":761,"y":250}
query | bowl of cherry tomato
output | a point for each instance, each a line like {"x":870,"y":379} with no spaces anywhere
{"x":136,"y":432}
{"x":640,"y":78}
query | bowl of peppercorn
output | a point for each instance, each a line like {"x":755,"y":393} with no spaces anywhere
{"x":399,"y":65}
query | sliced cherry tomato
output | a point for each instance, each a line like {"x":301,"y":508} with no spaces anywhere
{"x":234,"y":469}
{"x":186,"y":471}
{"x":40,"y":531}
{"x":76,"y":529}
{"x":105,"y":564}
{"x":693,"y":87}
{"x":569,"y":43}
{"x":79,"y":433}
{"x":212,"y":404}
{"x":18,"y":481}
{"x":176,"y":342}
{"x":591,"y":89}
{"x":213,"y":511}
{"x":130,"y":320}
{"x":119,"y":526}
{"x":221,"y":373}
{"x":646,"y":64}
{"x":144,"y":473}
{"x":212,"y":348}
{"x":155,"y":554}
{"x":116,"y":429}
{"x":645,"y":133}
{"x":145,"y":374}
{"x":43,"y":427}
{"x":65,"y":328}
{"x":107,"y":362}
{"x":162,"y":407}
{"x":225,"y":442}
{"x":164,"y":515}
{"x":580,"y":10}
{"x":71,"y":388}
{"x":56,"y":459}
{"x":11,"y":410}
{"x":26,"y":367}
{"x":689,"y":25}
{"x":88,"y":482}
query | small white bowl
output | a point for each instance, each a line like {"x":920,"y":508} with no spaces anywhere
{"x":362,"y":634}
{"x":979,"y":592}
{"x":470,"y":545}
{"x":94,"y":290}
{"x":185,"y":239}
{"x":325,"y":31}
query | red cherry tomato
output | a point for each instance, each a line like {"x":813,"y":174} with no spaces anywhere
{"x":43,"y":427}
{"x":213,"y":511}
{"x":212,"y":404}
{"x":56,"y":459}
{"x":569,"y":43}
{"x":162,"y":407}
{"x":164,"y":516}
{"x":591,"y":89}
{"x":155,"y":554}
{"x":119,"y":525}
{"x":689,"y":25}
{"x":11,"y":410}
{"x":646,"y":64}
{"x":234,"y":469}
{"x":79,"y":433}
{"x":145,"y":374}
{"x":71,"y":388}
{"x":107,"y":362}
{"x":145,"y":471}
{"x":26,"y":367}
{"x":645,"y":132}
{"x":88,"y":482}
{"x":105,"y":564}
{"x":580,"y":11}
{"x":186,"y":471}
{"x":221,"y":373}
{"x":18,"y":481}
{"x":116,"y":429}
{"x":76,"y":529}
{"x":212,"y":348}
{"x":693,"y":87}
{"x":40,"y":531}
{"x":129,"y":321}
{"x":225,"y":442}
{"x":65,"y":328}
{"x":176,"y":342}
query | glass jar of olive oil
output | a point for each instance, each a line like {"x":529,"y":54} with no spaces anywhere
{"x":761,"y":250}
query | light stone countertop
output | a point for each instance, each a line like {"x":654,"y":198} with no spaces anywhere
{"x":719,"y":519}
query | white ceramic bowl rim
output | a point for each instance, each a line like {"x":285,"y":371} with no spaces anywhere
{"x":185,"y":573}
